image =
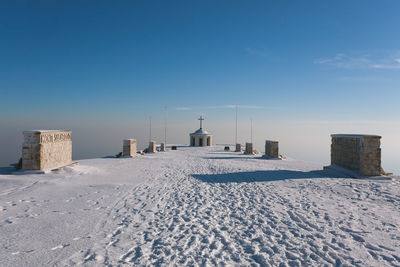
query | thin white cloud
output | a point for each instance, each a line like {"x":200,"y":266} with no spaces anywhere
{"x":350,"y":122}
{"x":381,"y":66}
{"x":251,"y":107}
{"x":183,"y":108}
{"x":221,"y":107}
{"x":345,"y":62}
{"x":363,"y":79}
{"x":256,"y":52}
{"x":234,"y":106}
{"x":366,"y":61}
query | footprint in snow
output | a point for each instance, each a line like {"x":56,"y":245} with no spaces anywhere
{"x":26,"y":251}
{"x":358,"y":238}
{"x":8,"y":221}
{"x":60,"y":246}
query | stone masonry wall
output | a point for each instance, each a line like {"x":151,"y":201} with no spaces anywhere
{"x":271,"y":149}
{"x":371,"y":156}
{"x":238,"y":148}
{"x":249,"y":148}
{"x":129,"y":148}
{"x":360,"y":153}
{"x":46,"y":149}
{"x":152,"y":147}
{"x":163,"y":147}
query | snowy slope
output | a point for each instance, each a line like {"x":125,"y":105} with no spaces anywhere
{"x":198,"y":206}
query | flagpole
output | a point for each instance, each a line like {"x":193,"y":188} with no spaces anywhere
{"x":251,"y":130}
{"x":236,"y":125}
{"x":150,"y":130}
{"x":165,"y":126}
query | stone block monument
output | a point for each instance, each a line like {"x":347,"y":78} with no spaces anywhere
{"x":163,"y":147}
{"x":129,"y":148}
{"x":249,"y":148}
{"x":46,"y":149}
{"x":359,"y":153}
{"x":238,"y":148}
{"x":271,"y":149}
{"x":152,"y":147}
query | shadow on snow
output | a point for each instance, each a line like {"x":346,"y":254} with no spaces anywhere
{"x":264,"y":176}
{"x":240,"y":158}
{"x":6,"y":170}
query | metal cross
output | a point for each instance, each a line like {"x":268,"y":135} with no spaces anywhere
{"x":201,"y":119}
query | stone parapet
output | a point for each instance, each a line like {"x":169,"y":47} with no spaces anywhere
{"x":249,"y":148}
{"x":152,"y":147}
{"x":46,"y":149}
{"x":359,"y":153}
{"x":129,"y":148}
{"x":238,"y":148}
{"x":163,"y":147}
{"x":271,"y":149}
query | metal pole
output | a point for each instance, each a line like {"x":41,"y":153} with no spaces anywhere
{"x":251,"y":130}
{"x":165,"y":124}
{"x":236,"y":125}
{"x":150,"y":131}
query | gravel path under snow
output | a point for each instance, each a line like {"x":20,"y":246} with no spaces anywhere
{"x":198,"y":206}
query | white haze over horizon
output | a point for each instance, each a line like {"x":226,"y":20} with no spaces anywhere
{"x":307,"y":140}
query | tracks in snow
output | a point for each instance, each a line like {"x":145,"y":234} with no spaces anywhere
{"x":179,"y":220}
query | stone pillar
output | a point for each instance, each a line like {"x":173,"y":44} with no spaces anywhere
{"x":204,"y":140}
{"x":359,"y":153}
{"x":271,"y":149}
{"x":46,"y":149}
{"x":238,"y":148}
{"x":192,"y":140}
{"x":198,"y":140}
{"x":152,"y":147}
{"x":163,"y":147}
{"x":129,"y":148}
{"x":249,"y":148}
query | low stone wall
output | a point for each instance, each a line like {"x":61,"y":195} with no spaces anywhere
{"x":271,"y":149}
{"x":238,"y":148}
{"x":359,"y":153}
{"x":129,"y":148}
{"x":249,"y":148}
{"x":152,"y":147}
{"x":163,"y":147}
{"x":46,"y":149}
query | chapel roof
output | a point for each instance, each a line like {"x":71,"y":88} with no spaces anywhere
{"x":200,"y":131}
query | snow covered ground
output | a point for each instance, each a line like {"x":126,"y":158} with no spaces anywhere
{"x":197,"y":206}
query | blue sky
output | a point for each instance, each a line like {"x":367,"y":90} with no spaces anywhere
{"x":108,"y":62}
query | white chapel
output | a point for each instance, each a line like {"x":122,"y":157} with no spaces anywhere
{"x":201,"y":137}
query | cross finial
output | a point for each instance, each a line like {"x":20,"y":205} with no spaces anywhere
{"x":201,"y":119}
